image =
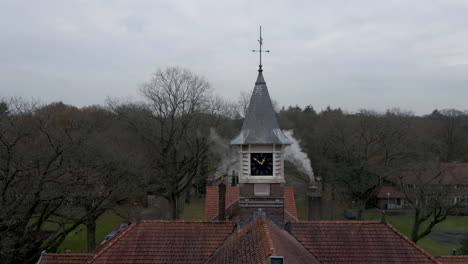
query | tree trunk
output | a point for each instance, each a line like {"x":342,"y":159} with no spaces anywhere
{"x":359,"y":214}
{"x":174,"y":206}
{"x":188,"y":196}
{"x":360,"y":209}
{"x":91,"y":233}
{"x":416,"y":226}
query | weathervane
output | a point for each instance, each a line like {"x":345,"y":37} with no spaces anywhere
{"x":260,"y":42}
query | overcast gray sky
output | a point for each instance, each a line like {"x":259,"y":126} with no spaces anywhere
{"x":350,"y":54}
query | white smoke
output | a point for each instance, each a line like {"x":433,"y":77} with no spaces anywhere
{"x":229,"y":159}
{"x":294,"y":154}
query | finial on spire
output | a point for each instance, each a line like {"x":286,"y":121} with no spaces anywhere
{"x":260,"y":42}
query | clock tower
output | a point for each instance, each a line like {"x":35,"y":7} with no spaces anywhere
{"x":260,"y":146}
{"x":261,"y":142}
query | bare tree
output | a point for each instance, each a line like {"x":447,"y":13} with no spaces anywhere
{"x":358,"y":150}
{"x":100,"y":169}
{"x":428,"y":187}
{"x":243,"y":102}
{"x":43,"y":174}
{"x":449,"y":131}
{"x":173,"y":125}
{"x":34,"y":184}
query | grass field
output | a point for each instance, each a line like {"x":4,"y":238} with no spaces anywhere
{"x":76,"y":240}
{"x":403,"y":224}
{"x":194,"y":211}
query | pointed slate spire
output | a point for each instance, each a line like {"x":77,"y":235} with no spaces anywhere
{"x":260,"y":123}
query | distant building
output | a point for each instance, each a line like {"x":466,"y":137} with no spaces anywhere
{"x":453,"y":178}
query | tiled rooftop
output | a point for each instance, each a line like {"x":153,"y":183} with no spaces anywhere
{"x":358,"y":242}
{"x":212,"y":199}
{"x":453,"y":259}
{"x":290,"y":201}
{"x":259,"y":240}
{"x":165,"y":242}
{"x":221,"y":242}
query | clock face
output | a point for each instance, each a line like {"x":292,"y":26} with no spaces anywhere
{"x":261,"y":164}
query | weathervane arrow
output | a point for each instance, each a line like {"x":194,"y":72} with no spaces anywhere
{"x":260,"y":42}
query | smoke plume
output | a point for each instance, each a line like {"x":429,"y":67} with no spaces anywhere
{"x":229,"y":159}
{"x":294,"y":154}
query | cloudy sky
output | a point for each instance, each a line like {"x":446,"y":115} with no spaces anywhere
{"x":351,"y":54}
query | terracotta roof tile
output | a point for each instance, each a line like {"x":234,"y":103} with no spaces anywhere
{"x":259,"y":240}
{"x":53,"y":258}
{"x":290,"y":201}
{"x":358,"y":242}
{"x":452,"y":259}
{"x":212,"y":196}
{"x":165,"y":242}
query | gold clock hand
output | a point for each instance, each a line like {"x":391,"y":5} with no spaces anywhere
{"x":257,"y":161}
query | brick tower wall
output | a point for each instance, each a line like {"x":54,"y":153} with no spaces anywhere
{"x":248,"y":213}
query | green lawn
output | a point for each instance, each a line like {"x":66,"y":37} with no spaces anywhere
{"x":194,"y":211}
{"x":76,"y":240}
{"x":403,"y":224}
{"x":301,"y":211}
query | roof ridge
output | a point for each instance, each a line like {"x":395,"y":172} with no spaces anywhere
{"x":295,"y":218}
{"x":413,"y":244}
{"x":112,"y":242}
{"x":221,"y":244}
{"x":213,"y":219}
{"x":302,"y":244}
{"x":268,"y":235}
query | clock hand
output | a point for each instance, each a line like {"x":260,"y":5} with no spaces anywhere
{"x":263,"y":161}
{"x":257,"y":161}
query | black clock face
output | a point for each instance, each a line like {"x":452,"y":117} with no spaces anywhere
{"x":261,"y":164}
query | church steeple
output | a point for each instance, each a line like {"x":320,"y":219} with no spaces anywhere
{"x":260,"y":124}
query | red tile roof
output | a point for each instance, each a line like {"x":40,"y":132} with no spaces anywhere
{"x":393,"y":191}
{"x":165,"y":242}
{"x":259,"y":240}
{"x":452,"y":259}
{"x":232,"y":195}
{"x":212,"y":202}
{"x":218,"y":242}
{"x":358,"y":242}
{"x":53,"y":258}
{"x":290,"y":201}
